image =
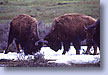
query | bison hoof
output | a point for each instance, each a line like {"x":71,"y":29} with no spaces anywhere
{"x":86,"y":53}
{"x":63,"y":53}
{"x":18,"y":51}
{"x":77,"y":52}
{"x":5,"y":52}
{"x":95,"y":54}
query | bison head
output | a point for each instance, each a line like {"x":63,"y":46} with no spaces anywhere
{"x":53,"y":42}
{"x":39,"y":44}
{"x":31,"y":48}
{"x":90,"y":31}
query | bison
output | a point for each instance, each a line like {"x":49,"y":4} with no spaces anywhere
{"x":93,"y":36}
{"x":23,"y":29}
{"x":67,"y":29}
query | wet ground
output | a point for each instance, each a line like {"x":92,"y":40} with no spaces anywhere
{"x":34,"y":63}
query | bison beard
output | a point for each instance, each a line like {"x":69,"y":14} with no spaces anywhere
{"x":23,"y":29}
{"x":68,"y":29}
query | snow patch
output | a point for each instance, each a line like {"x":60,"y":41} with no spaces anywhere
{"x":69,"y":58}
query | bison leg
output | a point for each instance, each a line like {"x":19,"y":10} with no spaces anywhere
{"x":88,"y":50}
{"x":7,"y":48}
{"x":27,"y":49}
{"x":17,"y":46}
{"x":95,"y":50}
{"x":10,"y":40}
{"x":76,"y":45}
{"x":66,"y":46}
{"x":27,"y":52}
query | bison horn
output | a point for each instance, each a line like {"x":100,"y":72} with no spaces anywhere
{"x":42,"y":41}
{"x":85,"y":27}
{"x":36,"y":43}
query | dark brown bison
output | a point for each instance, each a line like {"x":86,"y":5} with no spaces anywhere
{"x":93,"y":36}
{"x":23,"y":29}
{"x":66,"y":29}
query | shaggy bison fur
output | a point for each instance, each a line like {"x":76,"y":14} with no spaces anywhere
{"x":68,"y":29}
{"x":23,"y":29}
{"x":93,"y":31}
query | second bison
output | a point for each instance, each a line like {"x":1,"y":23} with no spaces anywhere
{"x":93,"y":36}
{"x":23,"y":29}
{"x":68,"y":29}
